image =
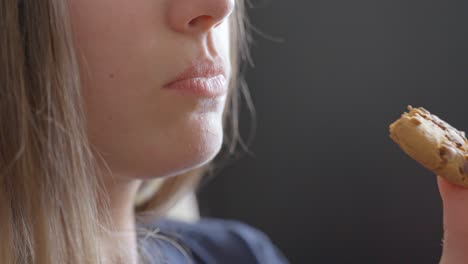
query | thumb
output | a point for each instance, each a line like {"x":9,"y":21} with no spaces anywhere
{"x":455,"y":207}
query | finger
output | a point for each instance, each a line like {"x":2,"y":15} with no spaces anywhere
{"x":455,"y":207}
{"x":447,"y":189}
{"x":455,"y":241}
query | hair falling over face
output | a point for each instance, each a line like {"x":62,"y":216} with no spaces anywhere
{"x":49,"y":206}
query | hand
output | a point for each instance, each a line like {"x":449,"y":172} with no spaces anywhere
{"x":455,"y":204}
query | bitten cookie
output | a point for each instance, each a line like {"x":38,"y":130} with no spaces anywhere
{"x":434,"y":143}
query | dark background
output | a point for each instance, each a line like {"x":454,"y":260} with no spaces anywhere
{"x":325,"y":182}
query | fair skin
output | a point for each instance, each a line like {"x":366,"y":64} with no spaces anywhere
{"x":455,"y":201}
{"x":127,"y":51}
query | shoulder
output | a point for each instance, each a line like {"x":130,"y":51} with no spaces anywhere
{"x":214,"y":240}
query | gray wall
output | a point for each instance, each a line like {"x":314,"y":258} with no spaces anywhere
{"x":326,"y":182}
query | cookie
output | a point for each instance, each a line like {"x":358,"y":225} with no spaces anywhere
{"x":434,"y":143}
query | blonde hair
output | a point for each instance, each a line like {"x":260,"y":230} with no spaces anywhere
{"x":48,"y":185}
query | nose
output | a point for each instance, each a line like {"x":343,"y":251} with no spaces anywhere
{"x":197,"y":16}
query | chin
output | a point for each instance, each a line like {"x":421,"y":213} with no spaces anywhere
{"x":177,"y":153}
{"x":193,"y":157}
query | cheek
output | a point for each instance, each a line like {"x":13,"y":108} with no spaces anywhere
{"x":116,"y":41}
{"x":222,"y":39}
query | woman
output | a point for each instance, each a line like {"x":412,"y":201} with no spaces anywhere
{"x":98,"y":98}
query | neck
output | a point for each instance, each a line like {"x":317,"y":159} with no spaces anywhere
{"x":120,"y":245}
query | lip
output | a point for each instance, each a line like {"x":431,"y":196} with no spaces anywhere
{"x":204,"y":78}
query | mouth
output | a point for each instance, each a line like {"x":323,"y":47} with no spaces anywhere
{"x":204,"y":78}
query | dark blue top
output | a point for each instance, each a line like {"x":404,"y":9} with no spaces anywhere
{"x":209,"y":241}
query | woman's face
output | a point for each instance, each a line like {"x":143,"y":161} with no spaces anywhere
{"x":128,"y":52}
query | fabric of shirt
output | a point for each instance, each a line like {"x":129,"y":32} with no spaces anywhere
{"x":209,"y":241}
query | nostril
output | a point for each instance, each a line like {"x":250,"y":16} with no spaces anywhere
{"x":201,"y":21}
